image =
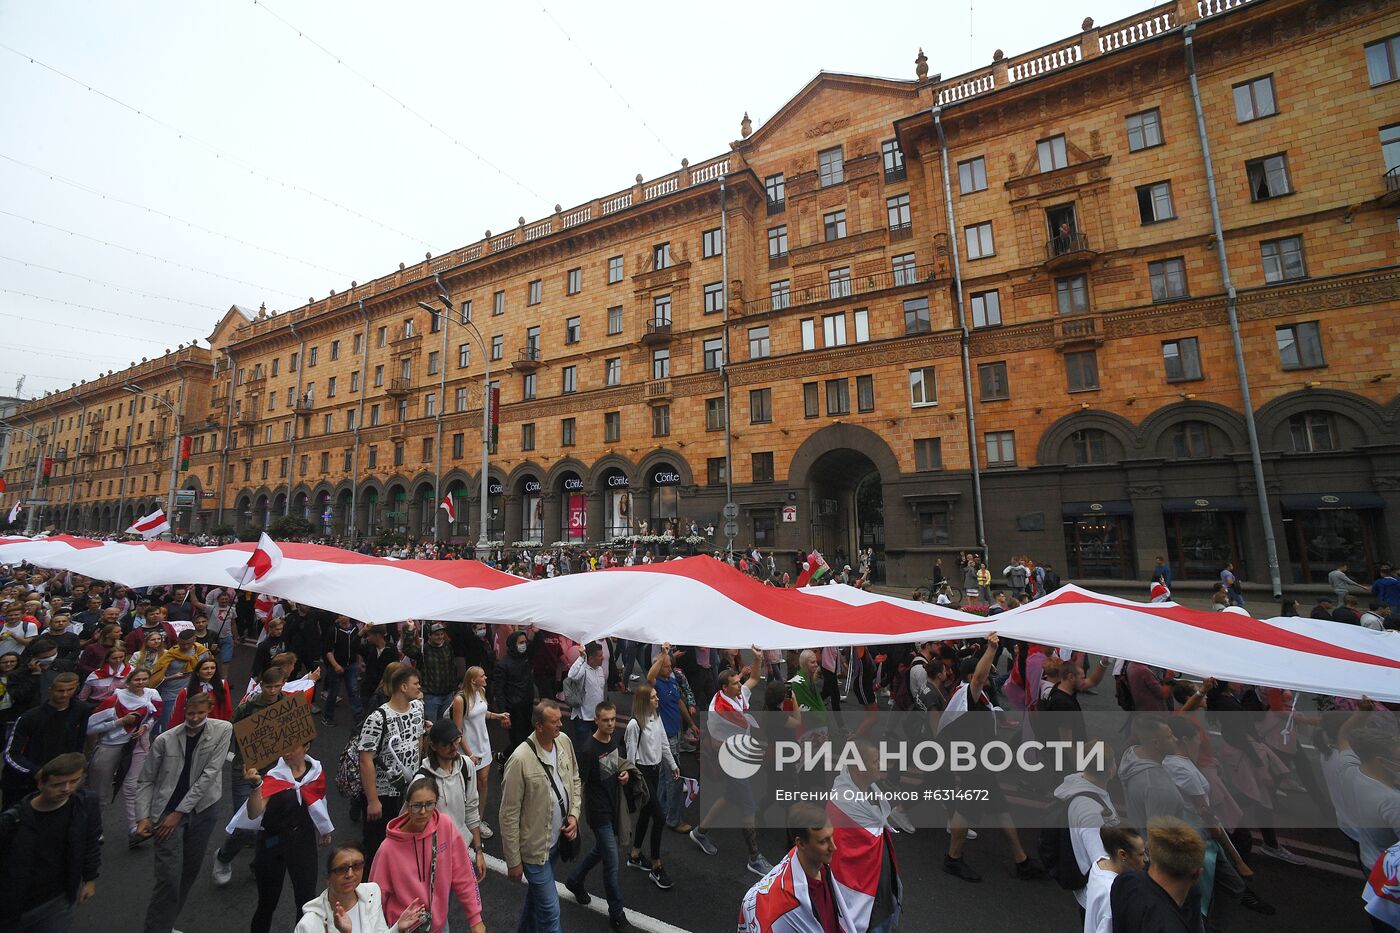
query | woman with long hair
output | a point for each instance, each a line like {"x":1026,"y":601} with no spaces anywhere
{"x":206,"y":679}
{"x":105,"y":681}
{"x":646,"y":744}
{"x":150,"y":651}
{"x":122,"y":725}
{"x":350,"y":903}
{"x":470,"y":714}
{"x":94,"y":653}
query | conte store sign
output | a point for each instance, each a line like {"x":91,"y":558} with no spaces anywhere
{"x":666,"y":478}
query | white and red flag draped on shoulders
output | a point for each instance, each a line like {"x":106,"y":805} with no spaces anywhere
{"x":782,"y":903}
{"x":449,"y":506}
{"x":150,"y":526}
{"x":869,"y":894}
{"x":310,"y":791}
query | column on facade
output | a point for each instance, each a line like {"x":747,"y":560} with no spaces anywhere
{"x":1149,"y":526}
{"x":552,"y":527}
{"x":512,"y":517}
{"x":595,"y":515}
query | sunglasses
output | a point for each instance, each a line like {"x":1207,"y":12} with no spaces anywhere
{"x":349,"y":868}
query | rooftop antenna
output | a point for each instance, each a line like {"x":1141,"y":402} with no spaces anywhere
{"x":19,"y":387}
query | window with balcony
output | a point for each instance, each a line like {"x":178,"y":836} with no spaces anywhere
{"x":831,"y":168}
{"x":993,"y":382}
{"x":979,"y":240}
{"x":569,"y":380}
{"x":760,"y":344}
{"x":1181,"y":359}
{"x":713,"y":353}
{"x":661,"y":256}
{"x":612,"y":371}
{"x":1001,"y":448}
{"x":834,"y":226}
{"x":893,"y":158}
{"x":1072,"y":295}
{"x":615,"y":272}
{"x":1051,"y":153}
{"x":527,"y":435}
{"x":661,"y":309}
{"x":780,"y":294}
{"x":986,"y":308}
{"x":838,"y":397}
{"x":529,"y":387}
{"x":1312,"y":432}
{"x":661,"y":364}
{"x":714,"y":297}
{"x":923,"y":389}
{"x":865,"y":393}
{"x":711,"y":243}
{"x":760,"y":406}
{"x":661,"y":421}
{"x":1268,"y":177}
{"x":903,"y":269}
{"x":405,"y":370}
{"x":1255,"y":99}
{"x":777,"y":241}
{"x":1089,"y":446}
{"x":1300,"y":345}
{"x":838,"y":282}
{"x":834,"y":330}
{"x":1144,"y":130}
{"x":1082,"y":370}
{"x":972,"y":175}
{"x":573,"y":281}
{"x":916,"y":317}
{"x":568,"y":432}
{"x":1283,"y":259}
{"x":714,"y":414}
{"x":1155,"y":202}
{"x":615,"y":321}
{"x":1383,"y":60}
{"x":1168,"y":279}
{"x":811,"y":400}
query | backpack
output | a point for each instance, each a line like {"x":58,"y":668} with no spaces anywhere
{"x":901,"y":698}
{"x":1123,"y":692}
{"x":1057,"y":849}
{"x":1052,"y":581}
{"x":574,"y":687}
{"x":347,"y":774}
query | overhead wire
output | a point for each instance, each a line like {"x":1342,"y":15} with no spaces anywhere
{"x":89,"y":189}
{"x":216,"y":152}
{"x":83,"y":307}
{"x":68,"y":326}
{"x":112,"y":285}
{"x":402,"y":104}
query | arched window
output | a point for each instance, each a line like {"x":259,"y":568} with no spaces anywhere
{"x":1190,"y":439}
{"x":1312,"y":431}
{"x":1089,"y":446}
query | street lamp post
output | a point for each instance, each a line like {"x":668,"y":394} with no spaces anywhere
{"x":174,"y":453}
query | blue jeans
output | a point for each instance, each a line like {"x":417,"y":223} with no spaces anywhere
{"x":55,"y":915}
{"x":540,"y":912}
{"x":226,"y":648}
{"x":351,"y":679}
{"x":239,"y":837}
{"x":434,"y":704}
{"x":671,"y":790}
{"x":604,"y":850}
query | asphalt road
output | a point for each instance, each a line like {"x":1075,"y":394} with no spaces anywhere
{"x":708,"y":889}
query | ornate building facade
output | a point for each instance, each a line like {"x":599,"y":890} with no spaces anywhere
{"x":919,"y":316}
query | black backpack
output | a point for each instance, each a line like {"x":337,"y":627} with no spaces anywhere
{"x":1057,"y":849}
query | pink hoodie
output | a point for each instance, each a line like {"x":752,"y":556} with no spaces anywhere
{"x":403,"y":865}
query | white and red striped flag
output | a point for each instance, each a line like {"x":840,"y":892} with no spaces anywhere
{"x":449,"y":505}
{"x":151,"y":525}
{"x":14,"y":512}
{"x":265,"y":558}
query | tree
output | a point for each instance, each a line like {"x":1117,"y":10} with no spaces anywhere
{"x":290,"y":527}
{"x":220,"y":531}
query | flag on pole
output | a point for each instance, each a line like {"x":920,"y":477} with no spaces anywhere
{"x":449,"y":505}
{"x":2,"y":484}
{"x":150,"y":526}
{"x":813,"y":569}
{"x":14,"y":512}
{"x":266,"y":557}
{"x":48,"y":469}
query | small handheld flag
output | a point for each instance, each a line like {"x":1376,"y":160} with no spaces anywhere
{"x":151,"y":525}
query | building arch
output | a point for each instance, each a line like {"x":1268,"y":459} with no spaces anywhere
{"x":1123,"y":435}
{"x":660,"y":455}
{"x":1353,"y":416}
{"x":1224,"y":422}
{"x":842,"y":436}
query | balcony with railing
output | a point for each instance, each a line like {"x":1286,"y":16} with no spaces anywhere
{"x":1064,"y":250}
{"x":658,"y":333}
{"x":256,"y":382}
{"x":406,"y":340}
{"x":247,"y":416}
{"x":1077,"y":331}
{"x":1391,"y":192}
{"x":399,"y":387}
{"x":304,"y":405}
{"x":842,"y":288}
{"x":657,"y":391}
{"x":528,"y":359}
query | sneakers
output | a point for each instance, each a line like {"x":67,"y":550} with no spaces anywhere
{"x":703,"y":841}
{"x":638,"y":863}
{"x":960,"y":869}
{"x":1029,"y":869}
{"x":760,"y":866}
{"x":659,"y":878}
{"x":619,"y":923}
{"x":1254,"y":902}
{"x":899,"y":821}
{"x":223,"y":871}
{"x":486,"y":831}
{"x":971,"y":833}
{"x":576,"y":889}
{"x":1282,"y":854}
{"x":682,"y":828}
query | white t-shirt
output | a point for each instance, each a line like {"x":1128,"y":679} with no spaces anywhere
{"x":556,"y":818}
{"x":23,"y":630}
{"x":354,"y":915}
{"x":1098,"y":915}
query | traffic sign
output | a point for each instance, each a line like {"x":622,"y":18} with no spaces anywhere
{"x":731,"y":530}
{"x":731,"y":511}
{"x":36,"y":501}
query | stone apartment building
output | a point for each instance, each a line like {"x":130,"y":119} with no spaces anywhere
{"x":985,"y":309}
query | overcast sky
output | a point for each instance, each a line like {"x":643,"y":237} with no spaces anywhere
{"x":270,"y":145}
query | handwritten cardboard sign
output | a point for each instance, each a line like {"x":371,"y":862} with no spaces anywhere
{"x":272,"y":730}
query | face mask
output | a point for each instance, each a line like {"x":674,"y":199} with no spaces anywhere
{"x":45,"y":662}
{"x":480,"y":632}
{"x":521,"y":648}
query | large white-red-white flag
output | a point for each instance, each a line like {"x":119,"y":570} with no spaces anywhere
{"x":151,"y":525}
{"x":449,"y":505}
{"x":266,"y":557}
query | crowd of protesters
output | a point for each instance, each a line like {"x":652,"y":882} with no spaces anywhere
{"x":108,"y":691}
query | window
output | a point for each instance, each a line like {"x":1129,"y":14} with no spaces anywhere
{"x":865,"y":393}
{"x":498,"y":303}
{"x":271,"y":404}
{"x":327,"y":425}
{"x":1311,"y":432}
{"x":614,"y":270}
{"x":1268,"y":177}
{"x":528,"y":387}
{"x":1155,"y":202}
{"x":405,"y":369}
{"x":311,"y":356}
{"x":1051,"y":153}
{"x":1144,"y":130}
{"x":923,"y":390}
{"x":612,"y":427}
{"x":834,"y":226}
{"x":1001,"y":448}
{"x":991,"y":377}
{"x":660,"y":364}
{"x":760,"y":406}
{"x":661,"y":421}
{"x":497,"y":346}
{"x":777,"y":241}
{"x":407,"y":327}
{"x":903,"y":268}
{"x":330,"y":388}
{"x":573,"y":281}
{"x":1072,"y":295}
{"x":1255,"y":99}
{"x":1168,"y":278}
{"x":928,"y":454}
{"x":1190,"y":440}
{"x":661,"y":309}
{"x":916,"y":319}
{"x":838,"y":397}
{"x":1082,"y":370}
{"x":464,"y":355}
{"x":612,"y":371}
{"x":714,"y":414}
{"x":834,"y":330}
{"x":398,"y":454}
{"x":711,"y":243}
{"x":459,"y":446}
{"x":615,"y":320}
{"x":427,"y":455}
{"x":972,"y":175}
{"x":374,"y":416}
{"x":933,"y":525}
{"x":357,"y":344}
{"x":1181,"y":358}
{"x":811,"y":404}
{"x":379,"y":377}
{"x":893,"y":158}
{"x":1383,"y":60}
{"x":325,"y":462}
{"x":403,"y":410}
{"x":780,"y":294}
{"x":714,"y":297}
{"x":762,"y":462}
{"x":572,"y":329}
{"x":760,"y":344}
{"x":979,"y":241}
{"x":275,"y":361}
{"x":1283,"y":259}
{"x":986,"y":309}
{"x":1390,"y":147}
{"x":809,"y":334}
{"x":776,"y":188}
{"x":355,"y":381}
{"x":713,"y":353}
{"x":346,"y":462}
{"x":1089,"y":446}
{"x":831,"y":168}
{"x":715,"y":471}
{"x":466,"y":307}
{"x":373,"y":456}
{"x":527,"y":435}
{"x":434,"y":362}
{"x":1300,"y":345}
{"x":567,"y":432}
{"x":661,"y":256}
{"x":536,"y":292}
{"x":862,"y":316}
{"x":897,"y":209}
{"x":459,"y":399}
{"x":838,"y":282}
{"x":569,"y":380}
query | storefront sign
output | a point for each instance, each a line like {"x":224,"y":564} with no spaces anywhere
{"x":573,"y":483}
{"x":532,"y":486}
{"x":617,"y":481}
{"x":665,"y":477}
{"x":496,"y":489}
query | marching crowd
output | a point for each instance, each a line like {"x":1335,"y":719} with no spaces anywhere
{"x":107,"y":691}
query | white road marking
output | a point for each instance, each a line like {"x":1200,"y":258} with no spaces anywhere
{"x":599,"y":905}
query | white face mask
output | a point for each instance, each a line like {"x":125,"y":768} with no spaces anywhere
{"x":480,"y":632}
{"x":522,"y":648}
